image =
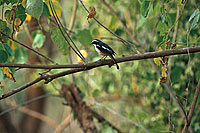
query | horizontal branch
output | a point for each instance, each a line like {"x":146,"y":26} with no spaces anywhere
{"x":109,"y":62}
{"x":88,"y":66}
{"x":21,"y":87}
{"x":34,"y":66}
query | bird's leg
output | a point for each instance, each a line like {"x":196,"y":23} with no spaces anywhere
{"x":104,"y":57}
{"x":101,"y":58}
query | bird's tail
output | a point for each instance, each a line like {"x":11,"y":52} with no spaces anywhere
{"x":114,"y":61}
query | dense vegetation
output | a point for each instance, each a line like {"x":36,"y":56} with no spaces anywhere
{"x":143,"y":95}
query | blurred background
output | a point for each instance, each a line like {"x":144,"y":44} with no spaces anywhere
{"x":130,"y":98}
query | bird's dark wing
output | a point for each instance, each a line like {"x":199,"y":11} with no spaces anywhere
{"x":106,"y":48}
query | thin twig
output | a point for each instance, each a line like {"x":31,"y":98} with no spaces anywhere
{"x":176,"y":24}
{"x":123,"y":24}
{"x":25,"y":103}
{"x":192,"y":107}
{"x":188,"y":34}
{"x":177,"y":19}
{"x":55,"y":24}
{"x":33,"y":113}
{"x":71,"y":25}
{"x":60,"y":24}
{"x":39,"y":116}
{"x":169,"y":90}
{"x":180,"y":43}
{"x":123,"y":40}
{"x":21,"y":88}
{"x":73,"y":18}
{"x":102,"y":119}
{"x":181,"y":106}
{"x":116,"y":113}
{"x":119,"y":19}
{"x":34,"y":66}
{"x":191,"y":43}
{"x":29,"y":48}
{"x":13,"y":24}
{"x":89,"y":66}
{"x":63,"y":124}
{"x":168,"y":85}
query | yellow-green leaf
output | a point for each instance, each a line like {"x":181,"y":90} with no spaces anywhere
{"x":157,"y":61}
{"x":6,"y":71}
{"x":164,"y":72}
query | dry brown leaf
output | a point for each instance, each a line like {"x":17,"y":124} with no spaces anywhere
{"x":17,"y":22}
{"x":92,"y":12}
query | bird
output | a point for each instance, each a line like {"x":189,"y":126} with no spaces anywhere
{"x":104,"y":50}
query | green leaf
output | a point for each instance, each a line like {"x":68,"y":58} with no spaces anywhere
{"x":39,"y":39}
{"x":59,"y":40}
{"x":7,"y":16}
{"x":8,"y":33}
{"x":108,"y":130}
{"x":3,"y":25}
{"x":1,"y":2}
{"x":21,"y":55}
{"x":145,"y":7}
{"x":46,"y":11}
{"x":195,"y":18}
{"x":84,"y":36}
{"x":20,"y":13}
{"x":14,"y":1}
{"x":4,"y":56}
{"x":8,"y":49}
{"x":34,"y":8}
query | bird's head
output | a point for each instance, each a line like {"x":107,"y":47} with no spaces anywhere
{"x":95,"y":42}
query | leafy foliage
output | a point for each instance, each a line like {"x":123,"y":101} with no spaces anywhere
{"x":34,"y":8}
{"x":84,"y":36}
{"x":6,"y":71}
{"x":4,"y":56}
{"x":39,"y":39}
{"x":59,"y":40}
{"x":145,"y":7}
{"x":195,"y":18}
{"x":134,"y":91}
{"x":21,"y":55}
